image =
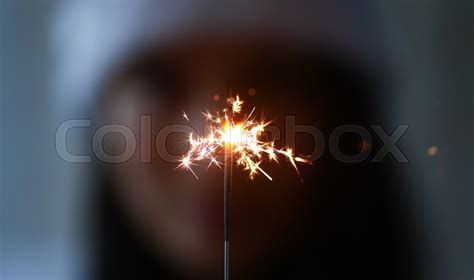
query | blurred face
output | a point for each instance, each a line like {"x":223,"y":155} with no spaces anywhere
{"x":181,"y":217}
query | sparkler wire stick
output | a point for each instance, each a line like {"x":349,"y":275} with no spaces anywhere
{"x":228,"y":166}
{"x":238,"y":137}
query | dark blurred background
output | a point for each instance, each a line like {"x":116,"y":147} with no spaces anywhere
{"x":55,"y":53}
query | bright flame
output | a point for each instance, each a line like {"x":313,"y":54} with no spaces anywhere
{"x":233,"y":134}
{"x":244,"y":136}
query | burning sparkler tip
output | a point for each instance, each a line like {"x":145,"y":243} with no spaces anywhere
{"x":244,"y":138}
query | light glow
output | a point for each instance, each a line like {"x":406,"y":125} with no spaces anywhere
{"x":244,"y":137}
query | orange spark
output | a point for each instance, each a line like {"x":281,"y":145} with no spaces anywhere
{"x":185,"y":116}
{"x":236,"y":104}
{"x":244,"y":136}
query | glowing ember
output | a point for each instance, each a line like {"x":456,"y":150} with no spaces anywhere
{"x":432,"y":151}
{"x":244,"y":137}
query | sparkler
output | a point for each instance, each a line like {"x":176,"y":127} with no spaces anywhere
{"x":238,"y":136}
